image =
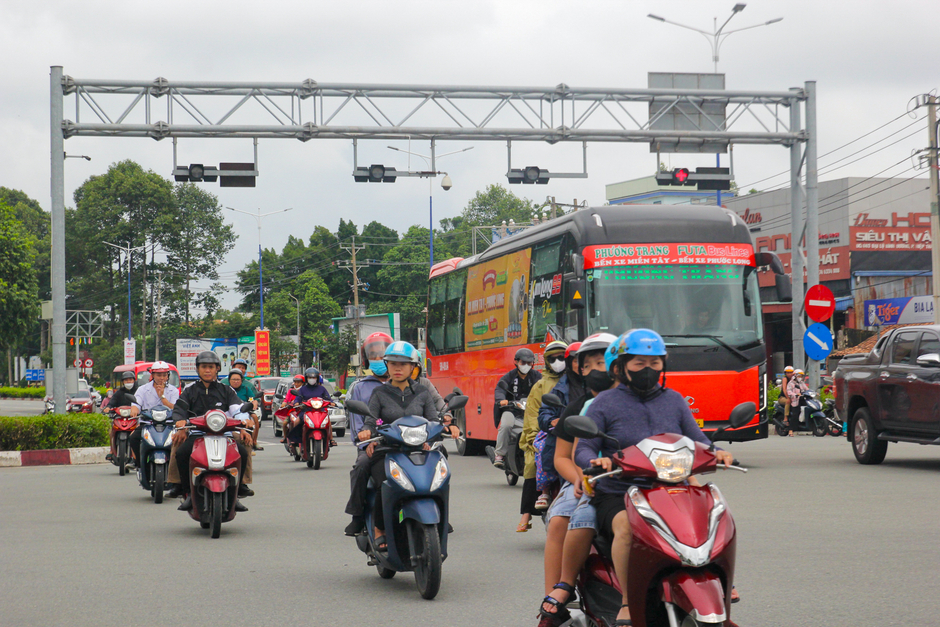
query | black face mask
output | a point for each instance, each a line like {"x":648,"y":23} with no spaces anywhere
{"x":597,"y":381}
{"x":644,"y":381}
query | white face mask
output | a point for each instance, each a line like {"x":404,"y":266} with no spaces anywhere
{"x":129,"y":386}
{"x":311,"y":381}
{"x":558,"y":366}
{"x":525,"y":368}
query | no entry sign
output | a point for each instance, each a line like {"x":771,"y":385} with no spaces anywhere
{"x":819,"y":303}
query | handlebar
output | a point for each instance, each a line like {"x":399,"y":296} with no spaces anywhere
{"x":593,"y":471}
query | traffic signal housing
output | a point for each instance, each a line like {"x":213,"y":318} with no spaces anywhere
{"x":530,"y":175}
{"x":196,"y":173}
{"x":706,"y":179}
{"x":375,"y":173}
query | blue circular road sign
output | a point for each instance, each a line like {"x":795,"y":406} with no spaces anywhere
{"x":817,"y":341}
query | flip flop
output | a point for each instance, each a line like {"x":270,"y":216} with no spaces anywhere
{"x":523,"y":527}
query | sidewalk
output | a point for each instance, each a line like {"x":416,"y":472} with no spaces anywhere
{"x":54,"y":457}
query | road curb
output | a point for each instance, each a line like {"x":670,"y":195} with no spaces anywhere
{"x":54,"y":457}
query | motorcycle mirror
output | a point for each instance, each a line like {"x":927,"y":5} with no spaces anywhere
{"x":247,"y":407}
{"x":358,"y":407}
{"x":457,"y":391}
{"x":457,"y":402}
{"x":742,"y":414}
{"x":580,"y":426}
{"x":131,"y":399}
{"x":337,"y":394}
{"x":502,"y":385}
{"x":553,"y":401}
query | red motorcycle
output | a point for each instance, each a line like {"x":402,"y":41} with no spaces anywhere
{"x":683,"y":550}
{"x":214,"y":469}
{"x":122,"y":426}
{"x":317,"y":435}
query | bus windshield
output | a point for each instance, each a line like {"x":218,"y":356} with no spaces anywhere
{"x":716,"y":303}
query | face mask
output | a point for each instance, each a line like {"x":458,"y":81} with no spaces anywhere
{"x":379,"y":368}
{"x":558,"y":365}
{"x":129,"y":386}
{"x":311,"y":381}
{"x":524,"y":368}
{"x":597,"y":381}
{"x":644,"y":381}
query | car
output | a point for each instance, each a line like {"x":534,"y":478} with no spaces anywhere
{"x":81,"y":401}
{"x":338,"y":419}
{"x":266,"y":387}
{"x":890,"y":394}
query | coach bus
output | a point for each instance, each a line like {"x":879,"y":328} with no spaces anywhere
{"x":689,"y":273}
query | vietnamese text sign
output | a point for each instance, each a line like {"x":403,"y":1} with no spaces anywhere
{"x":905,"y":310}
{"x":496,"y":302}
{"x":263,"y":352}
{"x":668,"y":254}
{"x":130,"y":352}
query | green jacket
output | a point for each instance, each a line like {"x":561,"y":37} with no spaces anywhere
{"x":530,"y":424}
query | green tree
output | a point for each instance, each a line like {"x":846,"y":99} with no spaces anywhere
{"x":334,"y":349}
{"x":38,"y":224}
{"x":488,"y":208}
{"x":19,"y":289}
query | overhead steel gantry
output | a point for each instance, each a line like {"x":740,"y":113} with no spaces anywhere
{"x":306,"y":110}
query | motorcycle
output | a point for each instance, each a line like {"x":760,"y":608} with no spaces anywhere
{"x":681,"y":564}
{"x":515,"y":460}
{"x":49,"y":404}
{"x":317,"y":432}
{"x":214,"y":469}
{"x":807,"y":416}
{"x":414,"y":499}
{"x":123,"y":425}
{"x":833,"y":423}
{"x":155,"y":446}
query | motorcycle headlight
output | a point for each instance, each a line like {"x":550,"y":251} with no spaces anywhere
{"x":398,"y":476}
{"x":414,"y":436}
{"x":316,"y":404}
{"x":149,"y":438}
{"x":672,"y":466}
{"x":124,"y":413}
{"x":440,"y":474}
{"x":215,"y":420}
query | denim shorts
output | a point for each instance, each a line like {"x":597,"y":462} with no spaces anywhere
{"x":579,"y":511}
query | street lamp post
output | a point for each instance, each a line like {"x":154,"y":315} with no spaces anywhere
{"x":715,"y":39}
{"x":128,"y":250}
{"x":258,"y":217}
{"x":445,"y":183}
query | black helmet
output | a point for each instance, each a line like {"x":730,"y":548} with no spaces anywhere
{"x":312,"y":372}
{"x":525,"y":354}
{"x":208,"y":357}
{"x":127,"y":374}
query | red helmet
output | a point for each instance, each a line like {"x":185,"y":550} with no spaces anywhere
{"x":300,"y":378}
{"x":572,"y":350}
{"x":373,"y":347}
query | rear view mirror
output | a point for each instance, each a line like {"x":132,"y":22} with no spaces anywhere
{"x":769,"y":259}
{"x":457,"y":402}
{"x":930,"y":360}
{"x":784,"y":288}
{"x":457,"y":391}
{"x":551,"y":400}
{"x":131,"y":399}
{"x":358,"y":407}
{"x":500,"y":384}
{"x":581,"y":427}
{"x":742,"y":414}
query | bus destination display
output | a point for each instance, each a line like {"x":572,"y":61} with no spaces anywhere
{"x":672,"y":253}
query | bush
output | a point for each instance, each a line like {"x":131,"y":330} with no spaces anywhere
{"x":52,"y":431}
{"x":772,"y":395}
{"x":9,"y":392}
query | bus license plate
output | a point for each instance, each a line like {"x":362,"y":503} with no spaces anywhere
{"x":700,"y":422}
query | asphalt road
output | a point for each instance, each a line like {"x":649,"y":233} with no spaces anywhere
{"x":821,"y":541}
{"x":20,"y":408}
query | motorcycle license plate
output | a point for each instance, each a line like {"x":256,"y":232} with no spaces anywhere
{"x":700,"y":422}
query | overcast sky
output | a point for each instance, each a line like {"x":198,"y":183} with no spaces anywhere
{"x":868,"y":58}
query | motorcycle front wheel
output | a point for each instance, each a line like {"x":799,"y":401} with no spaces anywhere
{"x":317,"y":454}
{"x":215,"y":515}
{"x":835,"y":431}
{"x":427,"y":551}
{"x":384,"y":573}
{"x":157,"y":482}
{"x":122,"y":457}
{"x":819,"y":428}
{"x":511,"y":478}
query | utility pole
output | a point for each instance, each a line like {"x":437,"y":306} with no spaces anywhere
{"x":934,"y":201}
{"x":352,"y":249}
{"x":156,"y":343}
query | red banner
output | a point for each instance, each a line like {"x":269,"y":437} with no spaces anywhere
{"x":668,"y":254}
{"x":263,"y":352}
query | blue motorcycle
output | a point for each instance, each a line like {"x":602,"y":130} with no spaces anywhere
{"x":155,"y":443}
{"x":414,"y":499}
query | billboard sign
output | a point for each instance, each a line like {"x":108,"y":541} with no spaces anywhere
{"x":188,"y":349}
{"x":905,"y":310}
{"x":263,"y":352}
{"x":497,"y":294}
{"x":130,"y":352}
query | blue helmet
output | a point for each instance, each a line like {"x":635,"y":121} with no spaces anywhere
{"x":402,"y":352}
{"x":641,"y":342}
{"x":610,"y":355}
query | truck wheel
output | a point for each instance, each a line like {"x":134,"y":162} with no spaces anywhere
{"x":867,"y":447}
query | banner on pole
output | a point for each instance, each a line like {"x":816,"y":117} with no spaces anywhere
{"x":263,"y":352}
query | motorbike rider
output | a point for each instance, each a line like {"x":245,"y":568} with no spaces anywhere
{"x":312,"y":388}
{"x":206,"y":394}
{"x":520,"y":381}
{"x":120,"y":399}
{"x":570,"y":386}
{"x":401,"y":396}
{"x":639,"y":407}
{"x":554,"y":356}
{"x":250,"y":393}
{"x":237,"y":381}
{"x":795,"y":389}
{"x":155,"y":393}
{"x":570,"y":522}
{"x":784,"y":399}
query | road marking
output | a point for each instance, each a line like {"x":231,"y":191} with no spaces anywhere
{"x":820,"y":303}
{"x":822,"y":344}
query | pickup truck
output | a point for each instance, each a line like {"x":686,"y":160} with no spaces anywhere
{"x":891,"y":394}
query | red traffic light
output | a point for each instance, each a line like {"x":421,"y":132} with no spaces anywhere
{"x":680,"y":176}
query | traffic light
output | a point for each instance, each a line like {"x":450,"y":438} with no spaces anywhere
{"x":707,"y":179}
{"x":679,"y":176}
{"x":196,"y":173}
{"x":529,"y":175}
{"x":375,"y":173}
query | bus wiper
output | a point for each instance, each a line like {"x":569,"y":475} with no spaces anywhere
{"x":719,"y":341}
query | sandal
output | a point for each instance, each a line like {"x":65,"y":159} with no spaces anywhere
{"x":623,"y":622}
{"x":523,"y":527}
{"x":734,"y":599}
{"x":541,"y":503}
{"x":561,"y":614}
{"x":380,"y":544}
